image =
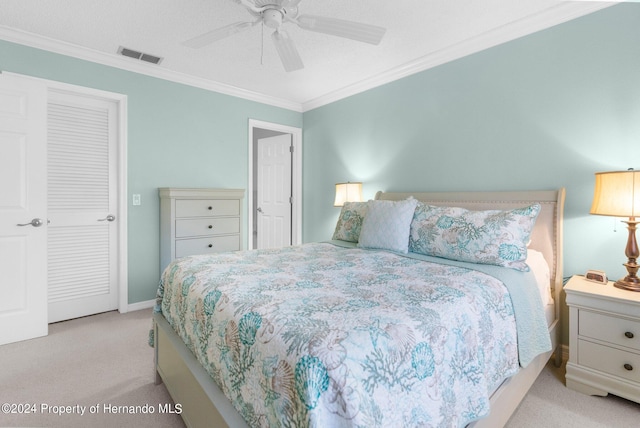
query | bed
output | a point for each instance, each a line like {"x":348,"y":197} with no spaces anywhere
{"x":314,"y":336}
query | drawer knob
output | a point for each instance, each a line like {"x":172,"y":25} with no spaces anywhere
{"x":209,"y":208}
{"x":210,"y":245}
{"x":628,"y":367}
{"x":629,"y":335}
{"x":211,"y":227}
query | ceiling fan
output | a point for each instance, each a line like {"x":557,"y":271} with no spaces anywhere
{"x":275,"y":13}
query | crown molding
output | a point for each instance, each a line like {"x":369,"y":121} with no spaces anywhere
{"x":112,"y":60}
{"x":563,"y":12}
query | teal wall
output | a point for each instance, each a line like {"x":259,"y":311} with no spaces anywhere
{"x":541,"y":112}
{"x":178,"y":136}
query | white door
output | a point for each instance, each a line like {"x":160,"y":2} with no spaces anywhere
{"x":82,"y":205}
{"x":23,"y":209}
{"x":274,"y":191}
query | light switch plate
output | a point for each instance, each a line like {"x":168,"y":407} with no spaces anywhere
{"x":136,"y":199}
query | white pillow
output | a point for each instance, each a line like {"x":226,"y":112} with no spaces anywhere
{"x":540,"y":269}
{"x":387,"y":225}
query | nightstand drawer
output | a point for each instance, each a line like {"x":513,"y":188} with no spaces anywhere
{"x":609,"y":360}
{"x":214,"y":244}
{"x":207,"y":207}
{"x":619,"y":331}
{"x":207,"y":226}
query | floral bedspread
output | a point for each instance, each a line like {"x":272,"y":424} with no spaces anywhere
{"x":323,"y":336}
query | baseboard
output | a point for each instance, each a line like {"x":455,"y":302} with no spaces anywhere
{"x":141,"y":305}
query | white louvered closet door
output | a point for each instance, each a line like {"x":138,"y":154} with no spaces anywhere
{"x":82,"y":204}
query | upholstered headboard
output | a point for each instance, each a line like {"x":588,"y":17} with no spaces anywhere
{"x":547,"y":232}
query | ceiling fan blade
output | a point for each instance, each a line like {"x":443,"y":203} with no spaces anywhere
{"x":251,"y":5}
{"x":341,"y":28}
{"x":290,"y":3}
{"x":217,"y":34}
{"x":287,"y":50}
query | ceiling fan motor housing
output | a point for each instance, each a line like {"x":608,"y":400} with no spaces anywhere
{"x":272,"y":18}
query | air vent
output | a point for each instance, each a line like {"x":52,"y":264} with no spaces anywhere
{"x":139,"y":55}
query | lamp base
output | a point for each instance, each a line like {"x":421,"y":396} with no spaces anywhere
{"x":631,"y":284}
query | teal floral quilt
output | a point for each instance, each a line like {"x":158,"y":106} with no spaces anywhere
{"x":324,"y":336}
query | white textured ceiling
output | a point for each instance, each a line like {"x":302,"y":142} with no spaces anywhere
{"x":420,"y":34}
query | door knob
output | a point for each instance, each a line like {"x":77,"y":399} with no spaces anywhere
{"x":110,"y":217}
{"x":259,"y":210}
{"x":36,"y":222}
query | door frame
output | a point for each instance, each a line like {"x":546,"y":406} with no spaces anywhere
{"x":296,"y":179}
{"x":121,"y":106}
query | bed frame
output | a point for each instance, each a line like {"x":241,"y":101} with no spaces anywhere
{"x":204,"y":404}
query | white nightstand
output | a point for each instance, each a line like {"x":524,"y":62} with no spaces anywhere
{"x":604,"y":339}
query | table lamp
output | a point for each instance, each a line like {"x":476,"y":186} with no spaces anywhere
{"x":617,"y":193}
{"x":347,"y":192}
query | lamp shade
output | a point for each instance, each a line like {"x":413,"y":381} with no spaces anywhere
{"x":347,"y":192}
{"x":617,"y":193}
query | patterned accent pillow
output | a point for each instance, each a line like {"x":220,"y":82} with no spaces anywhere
{"x":489,"y":237}
{"x":387,"y":225}
{"x":350,"y":221}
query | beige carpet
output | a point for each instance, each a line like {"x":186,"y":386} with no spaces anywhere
{"x":102,"y":361}
{"x":103,"y":364}
{"x":550,"y":404}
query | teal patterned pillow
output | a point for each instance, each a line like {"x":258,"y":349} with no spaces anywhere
{"x":350,"y":221}
{"x":489,"y":237}
{"x":387,"y":225}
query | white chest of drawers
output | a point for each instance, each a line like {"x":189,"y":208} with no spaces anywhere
{"x":604,"y":339}
{"x":199,"y":221}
